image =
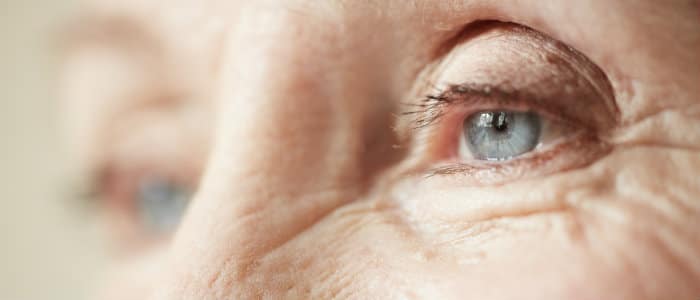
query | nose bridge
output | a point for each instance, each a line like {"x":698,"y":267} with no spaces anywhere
{"x":285,"y":154}
{"x":283,"y":114}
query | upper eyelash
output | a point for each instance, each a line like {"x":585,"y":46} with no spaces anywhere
{"x":431,"y":108}
{"x":428,"y":111}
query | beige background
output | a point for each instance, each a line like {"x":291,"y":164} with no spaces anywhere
{"x":49,"y":245}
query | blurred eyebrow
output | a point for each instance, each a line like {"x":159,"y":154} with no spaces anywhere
{"x":132,"y":37}
{"x":118,"y":32}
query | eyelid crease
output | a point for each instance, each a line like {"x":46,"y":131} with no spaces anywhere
{"x":563,"y":83}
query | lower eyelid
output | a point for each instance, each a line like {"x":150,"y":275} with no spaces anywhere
{"x":580,"y":151}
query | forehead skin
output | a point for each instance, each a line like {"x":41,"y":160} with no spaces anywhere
{"x":300,"y":196}
{"x":655,"y":37}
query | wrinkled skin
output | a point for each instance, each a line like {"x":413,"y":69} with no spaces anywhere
{"x":314,"y":188}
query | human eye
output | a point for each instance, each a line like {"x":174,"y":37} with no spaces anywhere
{"x":528,"y":106}
{"x":142,"y":182}
{"x":141,"y":205}
{"x":143,"y":146}
{"x":498,"y":135}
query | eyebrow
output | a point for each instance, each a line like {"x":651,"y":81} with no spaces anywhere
{"x":117,"y":32}
{"x":130,"y":36}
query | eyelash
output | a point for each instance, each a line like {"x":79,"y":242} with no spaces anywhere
{"x":432,"y":108}
{"x":471,"y":98}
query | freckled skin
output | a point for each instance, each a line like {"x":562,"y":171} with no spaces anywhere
{"x":305,"y":196}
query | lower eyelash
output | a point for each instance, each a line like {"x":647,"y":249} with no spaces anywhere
{"x":584,"y":148}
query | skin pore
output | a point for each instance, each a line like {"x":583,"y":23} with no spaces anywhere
{"x":294,"y":124}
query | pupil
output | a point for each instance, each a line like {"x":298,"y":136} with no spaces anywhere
{"x":500,"y":122}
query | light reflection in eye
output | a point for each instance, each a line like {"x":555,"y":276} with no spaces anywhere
{"x":501,"y":135}
{"x":161,"y":204}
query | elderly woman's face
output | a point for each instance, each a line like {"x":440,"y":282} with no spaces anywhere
{"x":393,"y":149}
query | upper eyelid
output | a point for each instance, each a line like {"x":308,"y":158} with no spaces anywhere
{"x":433,"y":107}
{"x":565,"y":83}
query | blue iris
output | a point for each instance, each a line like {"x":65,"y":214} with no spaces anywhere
{"x":161,"y":204}
{"x":502,"y":135}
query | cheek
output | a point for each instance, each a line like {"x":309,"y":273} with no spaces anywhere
{"x":611,"y":230}
{"x":360,"y":251}
{"x":134,"y":278}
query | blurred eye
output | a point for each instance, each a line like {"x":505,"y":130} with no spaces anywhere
{"x":501,"y":135}
{"x":161,"y":203}
{"x":142,"y":206}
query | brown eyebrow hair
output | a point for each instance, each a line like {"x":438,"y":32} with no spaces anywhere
{"x":119,"y":32}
